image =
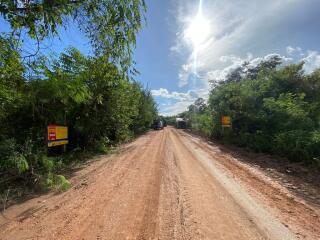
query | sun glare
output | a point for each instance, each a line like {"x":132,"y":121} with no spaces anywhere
{"x":199,"y":29}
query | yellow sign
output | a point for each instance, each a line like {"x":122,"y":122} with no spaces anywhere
{"x":57,"y":135}
{"x":57,"y":143}
{"x":226,"y":121}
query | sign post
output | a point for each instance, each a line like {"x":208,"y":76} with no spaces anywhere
{"x":57,"y":135}
{"x":225,"y":122}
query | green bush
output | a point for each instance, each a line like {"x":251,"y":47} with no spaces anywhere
{"x":61,"y":183}
{"x":103,"y":145}
{"x":100,"y":105}
{"x":205,"y":124}
{"x":293,"y":144}
{"x":20,"y":162}
{"x":273,"y":109}
{"x":11,"y":159}
{"x":256,"y":141}
{"x":57,"y":182}
{"x":47,"y":163}
{"x":298,"y":145}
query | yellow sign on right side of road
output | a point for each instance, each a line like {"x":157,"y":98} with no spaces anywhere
{"x":226,"y":121}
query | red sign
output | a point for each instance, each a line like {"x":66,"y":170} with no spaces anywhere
{"x":57,"y":135}
{"x":52,"y":133}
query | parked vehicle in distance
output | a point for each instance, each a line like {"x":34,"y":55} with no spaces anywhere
{"x":158,"y":125}
{"x":181,"y":123}
{"x":164,"y":122}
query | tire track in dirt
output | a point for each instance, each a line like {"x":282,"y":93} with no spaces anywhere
{"x":135,"y":197}
{"x":77,"y":207}
{"x":98,"y":198}
{"x":158,"y":188}
{"x":174,"y":221}
{"x":217,"y":215}
{"x":149,"y":223}
{"x":118,"y":175}
{"x":301,"y":218}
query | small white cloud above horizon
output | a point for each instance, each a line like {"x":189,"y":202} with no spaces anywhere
{"x":183,"y":99}
{"x":311,"y":61}
{"x":179,"y":101}
{"x":294,"y":50}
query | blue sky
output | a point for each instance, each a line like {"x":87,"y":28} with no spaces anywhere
{"x":182,"y":48}
{"x":242,"y":30}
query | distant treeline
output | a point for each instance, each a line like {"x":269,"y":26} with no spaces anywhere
{"x":98,"y":102}
{"x":273,"y":108}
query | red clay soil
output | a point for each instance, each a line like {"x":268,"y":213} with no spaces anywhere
{"x":165,"y":185}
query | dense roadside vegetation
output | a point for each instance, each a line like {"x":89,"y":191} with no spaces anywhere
{"x":88,"y":94}
{"x":274,"y":109}
{"x":95,"y":96}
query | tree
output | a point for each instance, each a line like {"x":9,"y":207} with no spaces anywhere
{"x":111,"y":25}
{"x":272,"y":110}
{"x":200,"y":104}
{"x":93,"y":95}
{"x":90,"y":95}
{"x":147,"y":111}
{"x":11,"y":78}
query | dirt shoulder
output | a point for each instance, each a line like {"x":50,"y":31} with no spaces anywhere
{"x":300,"y":180}
{"x":292,"y":195}
{"x":165,"y":185}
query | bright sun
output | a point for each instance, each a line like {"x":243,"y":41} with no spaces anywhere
{"x":198,"y":31}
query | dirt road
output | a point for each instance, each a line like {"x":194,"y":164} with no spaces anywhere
{"x":165,"y":185}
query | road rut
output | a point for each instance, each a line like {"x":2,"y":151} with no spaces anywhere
{"x":164,"y":185}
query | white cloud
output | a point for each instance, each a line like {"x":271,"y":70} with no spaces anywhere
{"x":176,"y":108}
{"x":181,"y":100}
{"x":179,"y":96}
{"x":181,"y":106}
{"x":162,"y":92}
{"x":185,"y":71}
{"x":220,"y":74}
{"x":293,"y":50}
{"x":311,"y":61}
{"x":290,"y":50}
{"x":236,"y":61}
{"x":240,"y":31}
{"x":236,"y":29}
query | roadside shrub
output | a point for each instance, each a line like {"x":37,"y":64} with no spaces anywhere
{"x":57,"y":182}
{"x":205,"y":124}
{"x":11,"y":159}
{"x":102,"y":145}
{"x":20,"y":162}
{"x":47,"y":163}
{"x":296,"y":145}
{"x":273,"y":109}
{"x":258,"y":141}
{"x":61,"y":183}
{"x":100,"y":104}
